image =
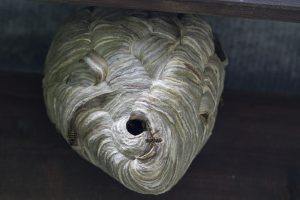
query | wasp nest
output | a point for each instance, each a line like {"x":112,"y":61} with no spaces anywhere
{"x":135,"y":93}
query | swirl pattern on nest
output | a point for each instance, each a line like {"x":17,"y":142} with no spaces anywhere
{"x":135,"y":92}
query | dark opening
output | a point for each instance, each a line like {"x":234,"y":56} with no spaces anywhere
{"x":205,"y":117}
{"x":135,"y":126}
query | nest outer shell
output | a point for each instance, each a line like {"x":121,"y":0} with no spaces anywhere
{"x":106,"y":68}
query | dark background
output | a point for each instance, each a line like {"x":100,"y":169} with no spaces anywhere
{"x":253,"y":153}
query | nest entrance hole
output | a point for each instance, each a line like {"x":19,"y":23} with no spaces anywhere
{"x":135,"y":126}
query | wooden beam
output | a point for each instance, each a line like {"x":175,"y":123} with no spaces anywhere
{"x":282,"y":10}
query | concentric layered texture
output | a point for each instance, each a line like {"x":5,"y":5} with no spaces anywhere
{"x":135,"y":93}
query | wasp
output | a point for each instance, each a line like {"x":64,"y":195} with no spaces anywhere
{"x":153,"y":138}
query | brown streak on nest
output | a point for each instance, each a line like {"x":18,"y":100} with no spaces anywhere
{"x":190,"y":67}
{"x":72,"y":138}
{"x":153,"y":140}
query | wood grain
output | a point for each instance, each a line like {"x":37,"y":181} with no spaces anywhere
{"x":252,"y":154}
{"x":282,"y":10}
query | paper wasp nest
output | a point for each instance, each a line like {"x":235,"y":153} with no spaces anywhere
{"x":135,"y":93}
